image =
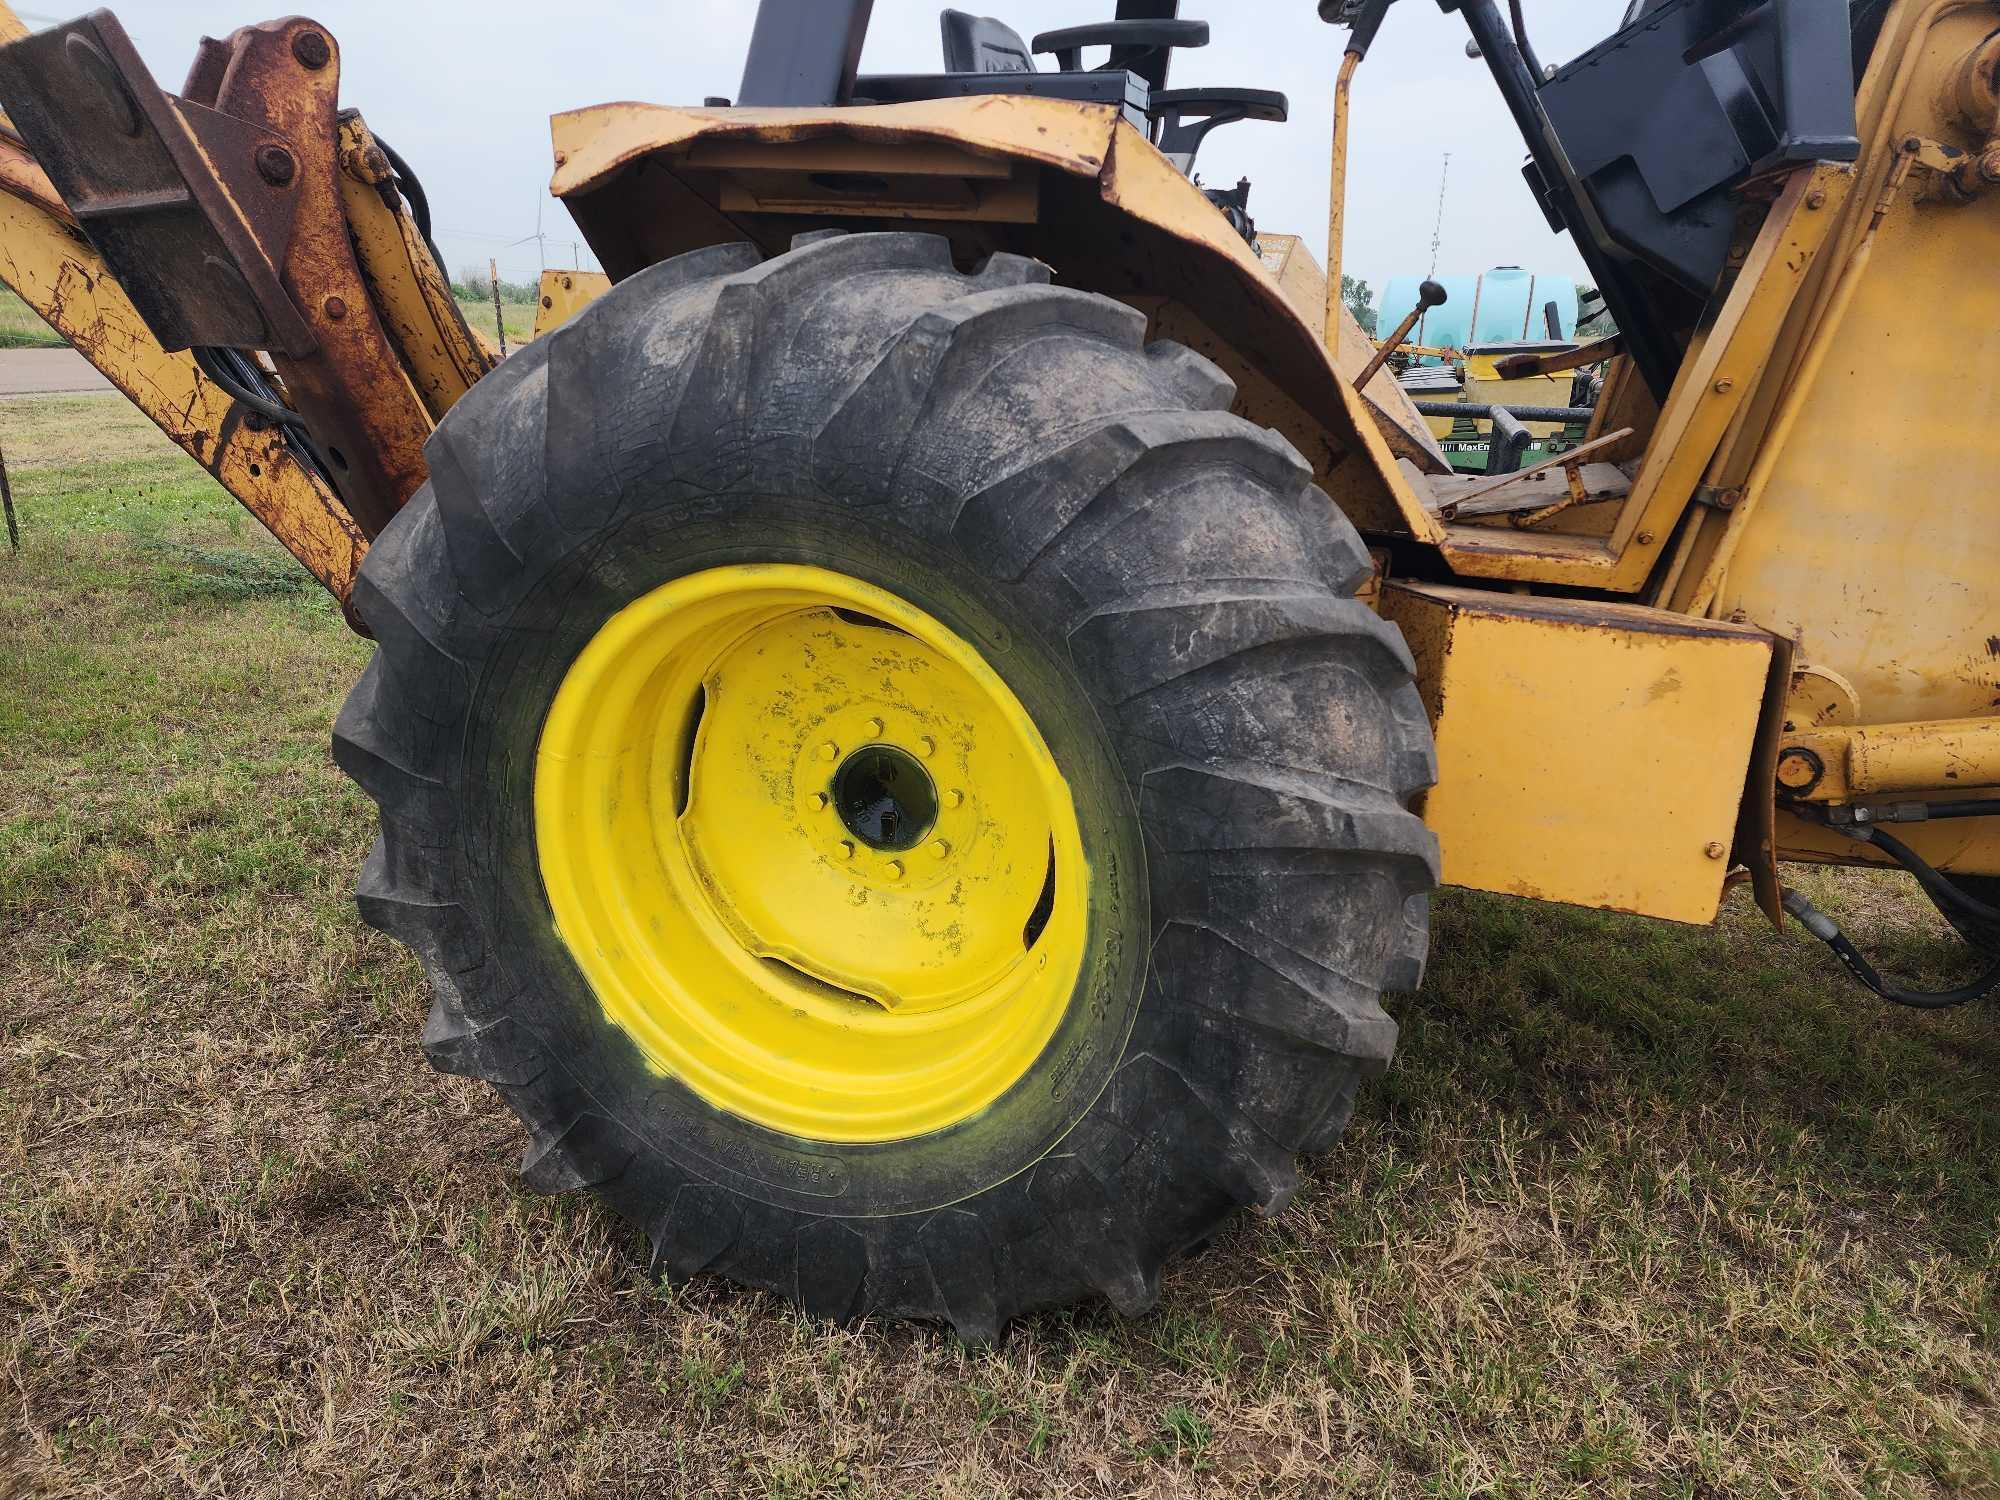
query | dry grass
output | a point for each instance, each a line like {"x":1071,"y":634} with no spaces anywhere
{"x":1643,"y":1211}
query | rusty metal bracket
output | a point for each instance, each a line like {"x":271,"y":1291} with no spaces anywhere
{"x":356,"y":396}
{"x":220,"y":213}
{"x":197,"y":253}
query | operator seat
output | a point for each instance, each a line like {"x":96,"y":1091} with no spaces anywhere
{"x":980,"y":44}
{"x":986,"y":56}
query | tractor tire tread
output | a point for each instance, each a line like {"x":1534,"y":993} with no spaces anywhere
{"x":1182,"y":564}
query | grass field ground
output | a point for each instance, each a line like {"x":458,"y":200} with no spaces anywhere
{"x":1641,"y":1211}
{"x":22,"y":329}
{"x":518,"y":317}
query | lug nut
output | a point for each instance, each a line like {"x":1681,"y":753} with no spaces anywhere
{"x":954,"y":798}
{"x":872,"y":729}
{"x":819,"y":801}
{"x":926,"y":747}
{"x":845,"y":849}
{"x":893,"y":869}
{"x":940,"y":848}
{"x":311,"y":49}
{"x":828,"y":751}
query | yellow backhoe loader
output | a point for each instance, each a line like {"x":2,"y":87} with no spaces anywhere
{"x":915,"y":724}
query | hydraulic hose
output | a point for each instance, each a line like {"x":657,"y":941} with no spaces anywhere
{"x":1521,"y":40}
{"x":238,"y":378}
{"x":1827,"y":931}
{"x":412,"y":189}
{"x":1972,"y":918}
{"x":226,"y":368}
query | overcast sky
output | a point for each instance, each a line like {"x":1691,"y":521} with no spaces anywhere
{"x":464,"y":89}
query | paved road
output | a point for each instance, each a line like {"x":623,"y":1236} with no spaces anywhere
{"x":33,"y":372}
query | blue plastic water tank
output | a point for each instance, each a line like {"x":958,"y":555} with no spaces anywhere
{"x":1505,"y":305}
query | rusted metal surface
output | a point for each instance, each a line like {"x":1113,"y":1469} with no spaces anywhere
{"x":410,"y":290}
{"x":220,"y":213}
{"x":284,"y":78}
{"x":1113,"y":216}
{"x":198,"y":254}
{"x":59,"y":274}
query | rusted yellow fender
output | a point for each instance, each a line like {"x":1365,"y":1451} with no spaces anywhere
{"x":1072,"y":184}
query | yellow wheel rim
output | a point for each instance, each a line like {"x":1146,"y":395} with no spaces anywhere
{"x":811,"y":853}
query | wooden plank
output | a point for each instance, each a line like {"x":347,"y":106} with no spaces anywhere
{"x":1528,"y":491}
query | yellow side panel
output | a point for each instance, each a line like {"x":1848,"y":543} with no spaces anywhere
{"x":1588,"y":753}
{"x":1874,"y":541}
{"x":564,"y":294}
{"x":1877,"y":543}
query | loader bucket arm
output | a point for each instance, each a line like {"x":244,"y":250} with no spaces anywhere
{"x":248,"y":215}
{"x":46,"y":259}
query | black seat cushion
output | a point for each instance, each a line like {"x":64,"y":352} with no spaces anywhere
{"x":980,"y":44}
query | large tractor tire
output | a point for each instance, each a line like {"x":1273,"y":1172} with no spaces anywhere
{"x":888,"y":780}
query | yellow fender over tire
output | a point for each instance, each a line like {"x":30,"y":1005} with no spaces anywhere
{"x":889,"y":781}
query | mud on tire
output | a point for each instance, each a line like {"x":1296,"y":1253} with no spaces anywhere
{"x":1157,"y":579}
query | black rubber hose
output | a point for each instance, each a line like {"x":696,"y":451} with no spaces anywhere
{"x":1824,"y":928}
{"x":223,"y":367}
{"x":1937,"y":886}
{"x":412,"y":189}
{"x":1973,"y":919}
{"x":239,"y":378}
{"x":1521,"y":40}
{"x":410,"y":186}
{"x":1962,"y":809}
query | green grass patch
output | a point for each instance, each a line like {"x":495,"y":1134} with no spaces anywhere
{"x":518,"y":318}
{"x":23,"y":328}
